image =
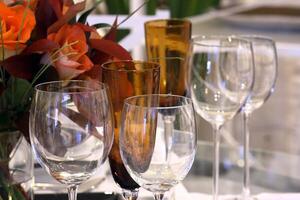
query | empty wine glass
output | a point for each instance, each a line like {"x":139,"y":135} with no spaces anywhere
{"x":157,"y":156}
{"x":220,"y":79}
{"x":265,"y":66}
{"x":71,"y":129}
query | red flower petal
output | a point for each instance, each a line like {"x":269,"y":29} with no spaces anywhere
{"x":41,"y":46}
{"x":22,"y":66}
{"x":112,"y":33}
{"x":110,"y":48}
{"x":71,"y":13}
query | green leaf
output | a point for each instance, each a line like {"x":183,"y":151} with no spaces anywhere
{"x":14,"y":102}
{"x":5,"y":120}
{"x":101,"y":25}
{"x":175,"y":7}
{"x":121,"y":33}
{"x":83,"y":17}
{"x":16,"y":96}
{"x":183,"y":8}
{"x":17,"y":194}
{"x":151,"y":7}
{"x":118,"y":6}
{"x":19,"y":88}
{"x":216,"y":3}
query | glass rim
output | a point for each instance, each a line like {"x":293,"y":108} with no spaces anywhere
{"x":256,"y":37}
{"x":157,"y":59}
{"x":127,"y":101}
{"x":201,"y":38}
{"x":102,"y":86}
{"x":155,"y":65}
{"x":152,"y":23}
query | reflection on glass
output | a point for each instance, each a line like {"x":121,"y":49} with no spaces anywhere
{"x":157,"y":156}
{"x":265,"y":62}
{"x":71,"y":129}
{"x":220,"y":79}
{"x":125,"y":79}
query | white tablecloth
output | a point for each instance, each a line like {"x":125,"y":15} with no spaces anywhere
{"x":264,"y":196}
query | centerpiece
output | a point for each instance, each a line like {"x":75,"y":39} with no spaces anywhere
{"x":41,"y":41}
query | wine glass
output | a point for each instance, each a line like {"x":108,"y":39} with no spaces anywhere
{"x":71,"y":129}
{"x":220,"y":79}
{"x":265,"y":66}
{"x":125,"y":79}
{"x":158,"y":157}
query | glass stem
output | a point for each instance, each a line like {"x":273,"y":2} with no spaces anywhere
{"x":72,"y":192}
{"x":246,"y":181}
{"x":158,"y":196}
{"x":168,"y":131}
{"x":216,"y":141}
{"x":130,"y":194}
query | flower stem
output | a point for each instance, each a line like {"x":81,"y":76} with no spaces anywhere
{"x":2,"y":71}
{"x":22,"y":25}
{"x":46,"y":66}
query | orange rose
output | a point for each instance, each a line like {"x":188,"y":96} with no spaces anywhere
{"x":12,"y":27}
{"x":71,"y":59}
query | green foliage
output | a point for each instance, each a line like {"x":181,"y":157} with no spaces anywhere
{"x":14,"y":101}
{"x":178,"y":8}
{"x":183,"y":8}
{"x":102,"y":25}
{"x":12,"y":192}
{"x":118,"y":6}
{"x":151,"y":7}
{"x":121,"y":33}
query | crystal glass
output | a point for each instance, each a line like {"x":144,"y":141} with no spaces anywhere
{"x":158,"y":156}
{"x":265,"y":65}
{"x":220,"y":79}
{"x":71,"y":129}
{"x":168,"y":42}
{"x":16,"y":166}
{"x":125,"y":79}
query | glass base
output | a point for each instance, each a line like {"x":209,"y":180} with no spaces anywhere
{"x":130,"y":194}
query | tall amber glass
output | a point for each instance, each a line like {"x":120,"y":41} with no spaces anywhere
{"x":168,"y":42}
{"x":125,"y":79}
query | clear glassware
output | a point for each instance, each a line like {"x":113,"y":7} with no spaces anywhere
{"x":158,"y":156}
{"x":71,"y":129}
{"x":220,"y":79}
{"x":16,"y":166}
{"x":265,"y":66}
{"x":125,"y":79}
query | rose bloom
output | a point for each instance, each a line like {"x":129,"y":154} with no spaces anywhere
{"x":14,"y":33}
{"x":71,"y":59}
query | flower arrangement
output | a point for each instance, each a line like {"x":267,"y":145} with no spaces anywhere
{"x":42,"y":40}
